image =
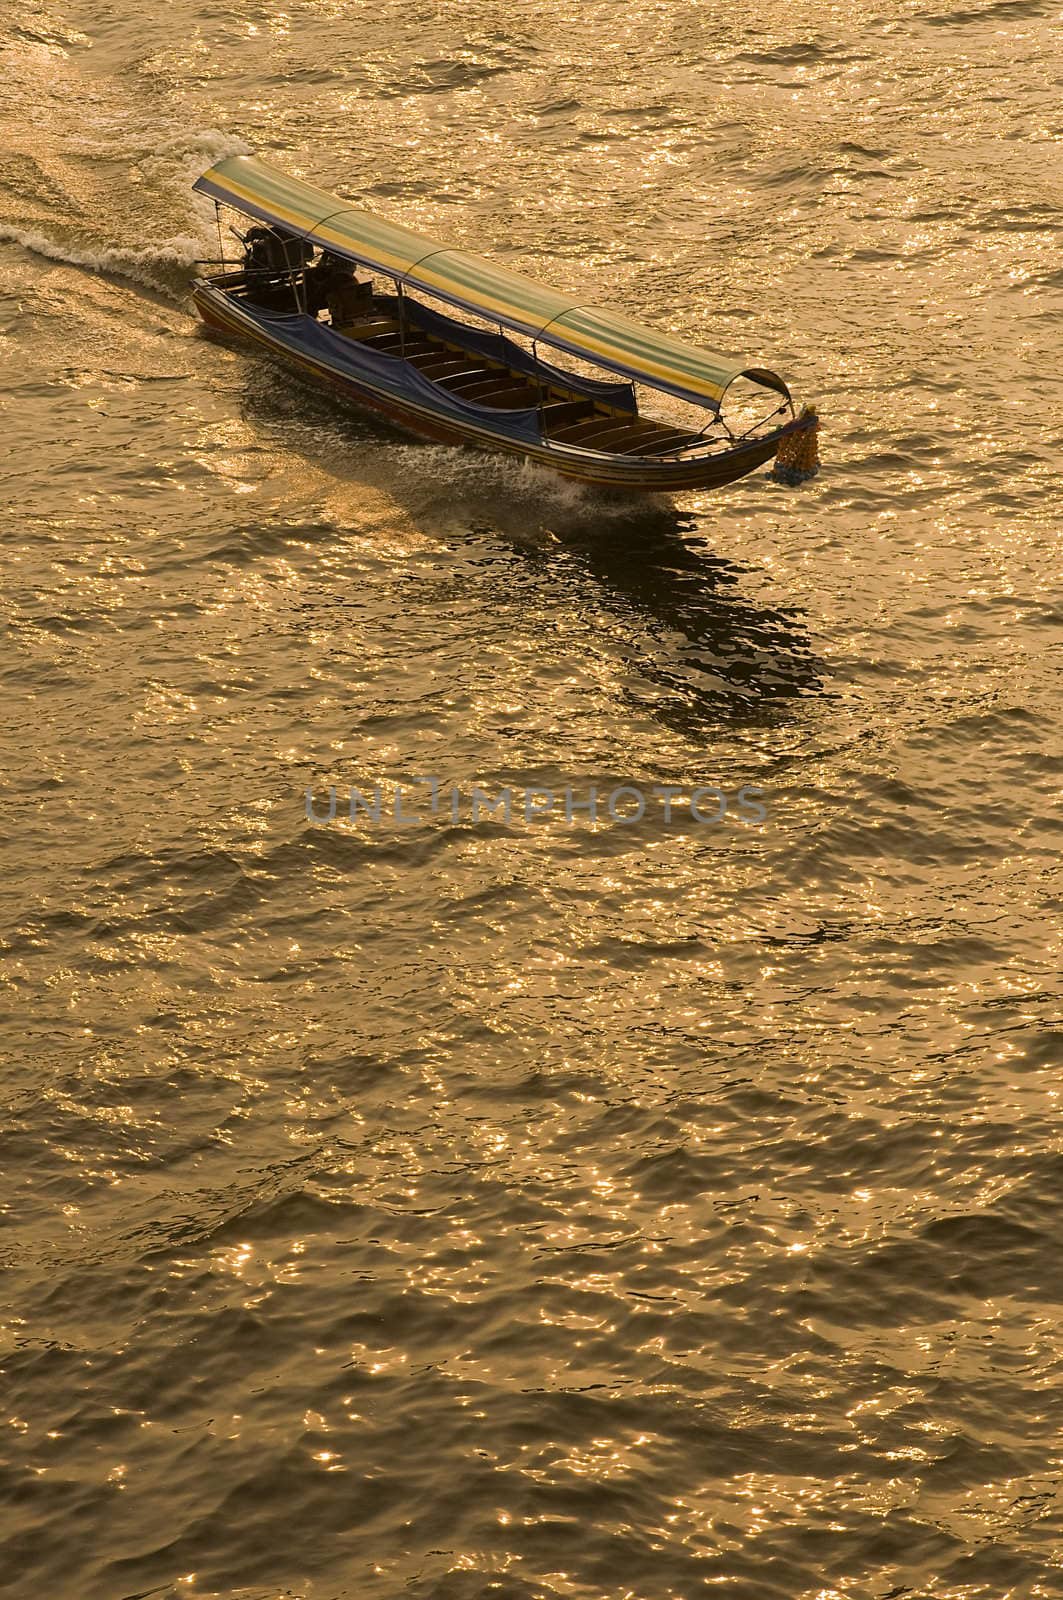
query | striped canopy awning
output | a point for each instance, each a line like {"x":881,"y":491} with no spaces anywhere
{"x":460,"y":278}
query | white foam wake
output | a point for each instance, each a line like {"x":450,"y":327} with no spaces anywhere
{"x":158,"y":266}
{"x":510,"y":482}
{"x":176,"y":163}
{"x":169,"y":169}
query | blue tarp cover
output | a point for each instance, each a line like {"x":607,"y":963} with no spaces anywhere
{"x":496,"y":347}
{"x":303,"y":335}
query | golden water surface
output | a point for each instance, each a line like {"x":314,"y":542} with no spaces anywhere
{"x":546,"y":1210}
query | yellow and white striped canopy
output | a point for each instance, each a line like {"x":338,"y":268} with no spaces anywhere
{"x":606,"y":338}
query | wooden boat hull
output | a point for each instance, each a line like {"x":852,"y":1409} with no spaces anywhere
{"x":222,"y":313}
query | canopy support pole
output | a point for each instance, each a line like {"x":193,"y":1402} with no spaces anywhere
{"x":539,"y":388}
{"x":778,"y":412}
{"x":298,"y":289}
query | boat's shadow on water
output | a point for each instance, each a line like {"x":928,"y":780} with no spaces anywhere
{"x":707,"y":650}
{"x":682,"y":616}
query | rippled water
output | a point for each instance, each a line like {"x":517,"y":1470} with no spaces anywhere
{"x":452,"y":1210}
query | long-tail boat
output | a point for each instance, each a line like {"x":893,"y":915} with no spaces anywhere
{"x":295,"y":291}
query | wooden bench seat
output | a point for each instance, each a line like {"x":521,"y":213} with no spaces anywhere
{"x":466,"y":383}
{"x":394,"y":344}
{"x":439,"y":366}
{"x":372,"y":328}
{"x":559,"y":413}
{"x":581,"y":432}
{"x":663,"y":445}
{"x":515,"y":398}
{"x":496,"y":378}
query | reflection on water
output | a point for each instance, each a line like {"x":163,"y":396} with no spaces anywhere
{"x":714,"y":650}
{"x":705,"y":649}
{"x":555,"y":1211}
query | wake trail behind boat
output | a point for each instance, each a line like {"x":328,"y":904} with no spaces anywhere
{"x":157,"y":187}
{"x":112,"y":197}
{"x":163,"y":267}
